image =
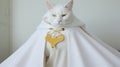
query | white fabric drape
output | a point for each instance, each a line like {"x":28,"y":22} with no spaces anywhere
{"x":84,"y":50}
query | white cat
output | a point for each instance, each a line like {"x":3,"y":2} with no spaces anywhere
{"x":59,"y":15}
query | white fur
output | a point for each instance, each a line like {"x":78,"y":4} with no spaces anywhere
{"x":59,"y":20}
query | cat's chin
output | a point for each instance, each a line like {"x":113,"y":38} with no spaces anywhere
{"x":57,"y":25}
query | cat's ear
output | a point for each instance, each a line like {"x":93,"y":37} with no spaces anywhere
{"x":49,"y":5}
{"x":69,"y":5}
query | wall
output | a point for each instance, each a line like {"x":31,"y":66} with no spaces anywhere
{"x":102,"y":18}
{"x":27,"y":15}
{"x":4,"y":29}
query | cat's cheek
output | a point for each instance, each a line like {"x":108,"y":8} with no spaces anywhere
{"x":52,"y":18}
{"x":65,"y":19}
{"x":64,"y":23}
{"x":54,"y":23}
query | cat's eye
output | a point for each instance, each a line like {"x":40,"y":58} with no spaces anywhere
{"x":53,"y":15}
{"x":64,"y":15}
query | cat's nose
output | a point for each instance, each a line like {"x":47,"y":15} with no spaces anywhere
{"x":59,"y":21}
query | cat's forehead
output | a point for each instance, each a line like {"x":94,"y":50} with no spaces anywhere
{"x":59,"y":8}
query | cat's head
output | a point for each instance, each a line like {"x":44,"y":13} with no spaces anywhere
{"x":59,"y":15}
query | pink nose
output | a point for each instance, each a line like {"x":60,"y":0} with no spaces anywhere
{"x":59,"y":21}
